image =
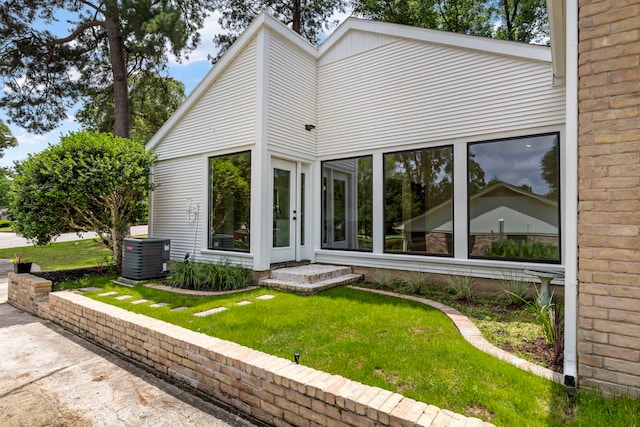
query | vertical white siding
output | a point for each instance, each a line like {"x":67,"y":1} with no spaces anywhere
{"x":408,"y":92}
{"x":291,"y":99}
{"x":224,"y":117}
{"x":178,"y":180}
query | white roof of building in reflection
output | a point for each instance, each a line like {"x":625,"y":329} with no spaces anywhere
{"x":522,"y":212}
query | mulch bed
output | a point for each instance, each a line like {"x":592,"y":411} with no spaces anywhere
{"x":60,"y":276}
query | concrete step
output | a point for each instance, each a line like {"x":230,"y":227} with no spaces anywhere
{"x":308,"y":274}
{"x":311,"y":288}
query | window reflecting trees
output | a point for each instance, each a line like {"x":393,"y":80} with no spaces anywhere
{"x":229,"y":201}
{"x":418,"y":201}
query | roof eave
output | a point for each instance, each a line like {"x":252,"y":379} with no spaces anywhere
{"x":482,"y":44}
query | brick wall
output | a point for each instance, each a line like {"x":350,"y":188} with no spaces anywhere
{"x":609,"y":195}
{"x":272,"y":389}
{"x":28,"y":292}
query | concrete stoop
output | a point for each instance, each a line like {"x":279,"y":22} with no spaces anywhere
{"x":310,"y":279}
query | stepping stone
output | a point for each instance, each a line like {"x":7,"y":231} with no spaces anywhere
{"x":90,"y":289}
{"x":179,"y":308}
{"x":159,"y":304}
{"x":108,"y":294}
{"x":124,"y":297}
{"x":139,"y":301}
{"x":212,"y":311}
{"x":266,"y":297}
{"x":244,"y":303}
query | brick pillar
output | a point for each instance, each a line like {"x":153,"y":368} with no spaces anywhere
{"x":609,"y":195}
{"x":28,"y":292}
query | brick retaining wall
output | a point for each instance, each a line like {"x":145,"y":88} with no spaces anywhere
{"x":271,"y":389}
{"x":27,"y":292}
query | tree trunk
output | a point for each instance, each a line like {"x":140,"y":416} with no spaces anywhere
{"x":122,"y":124}
{"x":296,"y":16}
{"x":117,"y":239}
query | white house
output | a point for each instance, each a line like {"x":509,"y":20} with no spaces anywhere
{"x":338,"y":145}
{"x":384,"y":123}
{"x":288,"y":151}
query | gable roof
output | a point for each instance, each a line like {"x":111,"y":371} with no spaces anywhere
{"x":351,"y":24}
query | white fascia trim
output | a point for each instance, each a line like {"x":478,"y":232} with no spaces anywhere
{"x":482,"y":44}
{"x":558,"y":35}
{"x":263,"y":20}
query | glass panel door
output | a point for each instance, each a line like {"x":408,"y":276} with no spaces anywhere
{"x":281,"y":208}
{"x":285,"y":215}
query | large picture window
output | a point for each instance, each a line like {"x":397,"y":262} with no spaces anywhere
{"x":418,"y":201}
{"x":229,"y":201}
{"x":514,"y":199}
{"x":347,"y":204}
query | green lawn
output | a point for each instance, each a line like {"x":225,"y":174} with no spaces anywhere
{"x":388,"y":342}
{"x":63,"y":255}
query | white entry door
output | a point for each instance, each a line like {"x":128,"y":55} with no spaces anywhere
{"x":285,"y":215}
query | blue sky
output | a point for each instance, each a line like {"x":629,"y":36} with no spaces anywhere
{"x":189,"y":72}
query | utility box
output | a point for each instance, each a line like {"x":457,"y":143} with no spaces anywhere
{"x":144,"y":259}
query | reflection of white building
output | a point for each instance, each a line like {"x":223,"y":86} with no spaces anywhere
{"x":500,"y":211}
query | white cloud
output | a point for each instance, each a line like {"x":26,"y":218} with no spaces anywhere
{"x":25,"y":138}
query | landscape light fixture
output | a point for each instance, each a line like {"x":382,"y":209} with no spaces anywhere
{"x":296,"y":358}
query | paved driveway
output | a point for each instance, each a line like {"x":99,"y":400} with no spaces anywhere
{"x":49,"y":377}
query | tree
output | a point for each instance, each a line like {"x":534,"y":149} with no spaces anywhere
{"x":550,"y":171}
{"x":152,"y":100}
{"x":416,"y":13}
{"x":306,"y":18}
{"x":5,"y":188}
{"x":231,"y":194}
{"x":89,"y":182}
{"x":523,"y":21}
{"x":517,"y":20}
{"x":7,"y":140}
{"x":107,"y":42}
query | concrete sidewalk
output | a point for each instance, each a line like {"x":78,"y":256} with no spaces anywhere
{"x":49,"y":377}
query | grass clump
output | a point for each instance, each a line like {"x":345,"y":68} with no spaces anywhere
{"x":415,"y":282}
{"x":384,"y":279}
{"x":515,"y":289}
{"x":460,"y":286}
{"x":200,"y":276}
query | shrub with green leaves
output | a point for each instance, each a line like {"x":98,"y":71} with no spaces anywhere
{"x":200,"y":276}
